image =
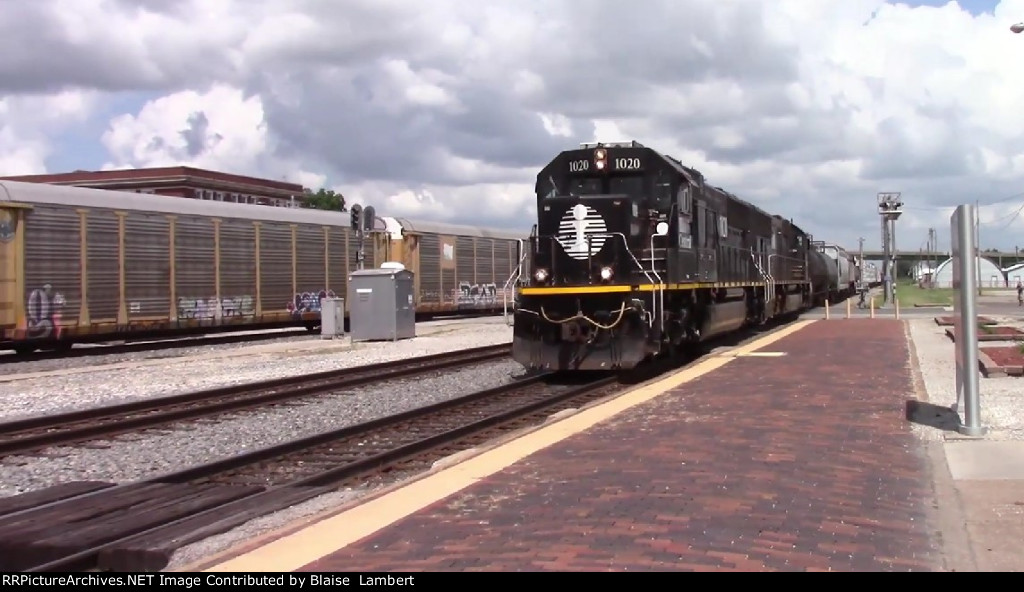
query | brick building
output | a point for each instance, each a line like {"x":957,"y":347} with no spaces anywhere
{"x":181,"y":181}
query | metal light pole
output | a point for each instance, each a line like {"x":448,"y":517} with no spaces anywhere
{"x":966,"y":324}
{"x":860,"y":257}
{"x":977,"y":242}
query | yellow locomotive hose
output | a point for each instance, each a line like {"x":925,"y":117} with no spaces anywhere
{"x":580,"y":315}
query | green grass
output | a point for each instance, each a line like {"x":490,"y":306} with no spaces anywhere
{"x":910,"y":295}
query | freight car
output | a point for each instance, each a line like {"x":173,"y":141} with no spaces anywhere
{"x":869,"y":275}
{"x":636,"y":255}
{"x":82,"y":264}
{"x":845,"y":266}
{"x":824,"y":276}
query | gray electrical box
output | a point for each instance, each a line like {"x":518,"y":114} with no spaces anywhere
{"x":381,"y":304}
{"x":332,"y":318}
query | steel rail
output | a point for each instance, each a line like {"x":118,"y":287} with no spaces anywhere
{"x":33,"y":433}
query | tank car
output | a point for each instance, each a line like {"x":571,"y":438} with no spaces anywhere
{"x":635,"y":255}
{"x":81,"y":264}
{"x":846,"y":265}
{"x":822,"y":277}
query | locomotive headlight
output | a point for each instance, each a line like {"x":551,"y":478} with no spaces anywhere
{"x":599,"y":164}
{"x":606,"y":273}
{"x":600,"y":154}
{"x":540,"y":275}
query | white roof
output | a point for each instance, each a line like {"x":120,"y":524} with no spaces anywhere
{"x":44,"y":193}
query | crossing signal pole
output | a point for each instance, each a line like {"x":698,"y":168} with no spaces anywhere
{"x":362,"y":220}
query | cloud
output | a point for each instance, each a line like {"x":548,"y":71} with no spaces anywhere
{"x":28,"y":121}
{"x":221,"y":129}
{"x":448,"y":109}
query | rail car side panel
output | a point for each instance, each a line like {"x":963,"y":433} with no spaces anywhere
{"x":410,"y":257}
{"x":449,"y":272}
{"x":104,"y":273}
{"x":53,"y":277}
{"x":310,"y":273}
{"x":465,"y":292}
{"x":194,"y":271}
{"x":429,"y":249}
{"x":12,"y":269}
{"x":147,"y":268}
{"x":506,"y":255}
{"x":486,"y":278}
{"x":276,"y":291}
{"x":337,"y":260}
{"x":482,"y":294}
{"x":237,"y":271}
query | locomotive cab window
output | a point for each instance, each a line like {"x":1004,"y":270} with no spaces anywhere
{"x":710,"y":228}
{"x":683,"y":199}
{"x":662,"y":191}
{"x":585,"y":186}
{"x":631,"y":186}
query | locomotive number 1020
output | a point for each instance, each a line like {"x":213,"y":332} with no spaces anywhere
{"x":619,"y":164}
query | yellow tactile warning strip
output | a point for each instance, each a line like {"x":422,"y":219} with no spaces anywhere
{"x":293,"y":551}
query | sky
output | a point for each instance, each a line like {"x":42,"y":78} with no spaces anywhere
{"x":446,"y":110}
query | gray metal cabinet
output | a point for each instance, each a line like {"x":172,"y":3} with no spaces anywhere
{"x":381,"y":305}
{"x":332,"y":318}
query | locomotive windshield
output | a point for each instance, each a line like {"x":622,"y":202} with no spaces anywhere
{"x":585,"y":186}
{"x":632,"y":186}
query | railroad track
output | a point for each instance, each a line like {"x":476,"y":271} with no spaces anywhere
{"x":109,"y":349}
{"x":35,"y":433}
{"x":138,"y":526}
{"x":87,"y":526}
{"x":211,"y":336}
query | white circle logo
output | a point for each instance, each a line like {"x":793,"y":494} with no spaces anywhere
{"x":579,"y":223}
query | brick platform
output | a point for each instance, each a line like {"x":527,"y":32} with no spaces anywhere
{"x":798,"y":462}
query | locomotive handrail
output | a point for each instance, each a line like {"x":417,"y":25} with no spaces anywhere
{"x":514,"y":279}
{"x":769,"y":280}
{"x":660,"y":312}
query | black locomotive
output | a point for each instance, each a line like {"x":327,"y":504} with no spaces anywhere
{"x":635,"y":255}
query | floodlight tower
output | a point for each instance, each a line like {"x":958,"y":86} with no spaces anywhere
{"x":890,"y":208}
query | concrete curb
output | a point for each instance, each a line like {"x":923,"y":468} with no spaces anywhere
{"x":992,"y":370}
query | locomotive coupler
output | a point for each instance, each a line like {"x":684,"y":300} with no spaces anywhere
{"x":573,"y":332}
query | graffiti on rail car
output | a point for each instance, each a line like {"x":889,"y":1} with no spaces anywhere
{"x":44,"y":310}
{"x":212,"y":308}
{"x":304,"y":302}
{"x":6,"y":226}
{"x":476,"y":295}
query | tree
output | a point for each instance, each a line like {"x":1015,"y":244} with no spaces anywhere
{"x":324,"y":199}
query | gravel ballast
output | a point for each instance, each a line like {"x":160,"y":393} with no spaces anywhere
{"x":150,"y":454}
{"x":90,"y":356}
{"x":1002,"y":399}
{"x":84,"y":387}
{"x":1002,"y":412}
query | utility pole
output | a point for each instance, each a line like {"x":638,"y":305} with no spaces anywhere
{"x":860,"y":262}
{"x":977,"y":242}
{"x":890,"y":208}
{"x":933,"y":246}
